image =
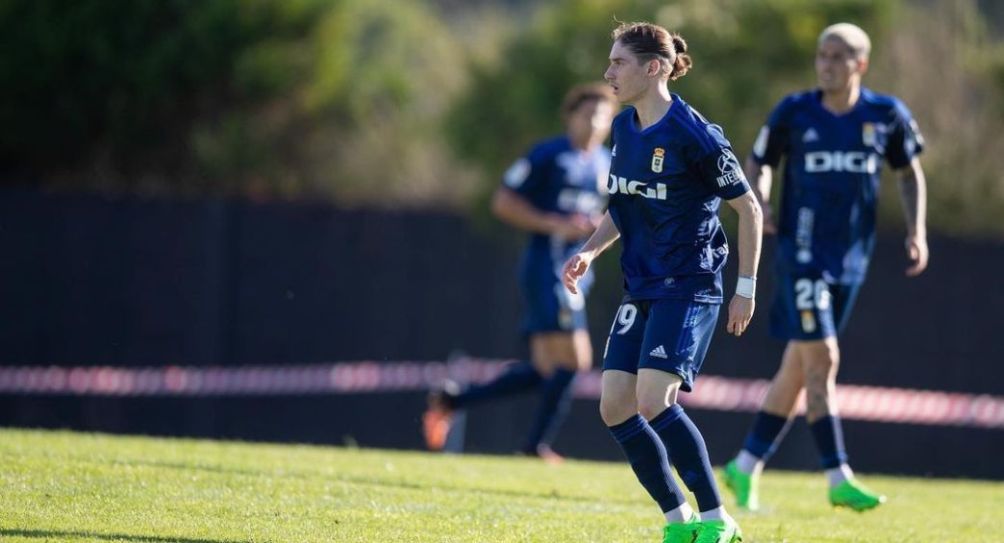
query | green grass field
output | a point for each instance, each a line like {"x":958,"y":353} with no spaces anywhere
{"x":61,"y":486}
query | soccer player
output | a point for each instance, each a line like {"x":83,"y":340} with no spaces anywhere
{"x":554,"y":194}
{"x":671,"y":168}
{"x":833,"y":138}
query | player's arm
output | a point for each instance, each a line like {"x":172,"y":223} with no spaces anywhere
{"x":762,"y":178}
{"x":913,"y":193}
{"x":750,"y":236}
{"x":604,"y":236}
{"x":770,"y":145}
{"x":512,"y":208}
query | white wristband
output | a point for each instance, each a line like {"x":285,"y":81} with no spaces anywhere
{"x":746,"y":287}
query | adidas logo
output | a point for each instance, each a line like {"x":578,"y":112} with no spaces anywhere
{"x":659,"y":352}
{"x":810,"y":135}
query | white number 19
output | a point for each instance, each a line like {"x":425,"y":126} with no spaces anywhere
{"x":625,"y":317}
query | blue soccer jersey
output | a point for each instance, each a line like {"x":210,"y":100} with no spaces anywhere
{"x":556,"y":178}
{"x":831,"y":175}
{"x":665,"y":185}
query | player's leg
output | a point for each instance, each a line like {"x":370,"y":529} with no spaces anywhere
{"x":551,"y":316}
{"x":558,"y":356}
{"x":769,"y":427}
{"x":436,"y":421}
{"x":559,"y":347}
{"x":643,"y":448}
{"x":799,"y":311}
{"x":543,"y":316}
{"x":821,"y":360}
{"x":677,"y":337}
{"x":517,"y":377}
{"x":820,"y":363}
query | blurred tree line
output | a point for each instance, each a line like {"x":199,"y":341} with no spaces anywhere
{"x":423,"y":103}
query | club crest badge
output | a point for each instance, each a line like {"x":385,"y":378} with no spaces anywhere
{"x":657,"y":157}
{"x":868,"y":134}
{"x":808,"y":321}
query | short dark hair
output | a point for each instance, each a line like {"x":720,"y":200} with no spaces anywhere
{"x":583,"y":93}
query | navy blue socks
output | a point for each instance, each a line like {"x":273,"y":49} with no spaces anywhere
{"x":555,"y":401}
{"x":829,"y":436}
{"x":518,"y":377}
{"x":688,"y":452}
{"x":647,"y":455}
{"x":766,"y":435}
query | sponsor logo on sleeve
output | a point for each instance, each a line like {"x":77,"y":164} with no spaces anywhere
{"x":516,"y":175}
{"x":760,"y":145}
{"x":917,"y":136}
{"x":731,"y":173}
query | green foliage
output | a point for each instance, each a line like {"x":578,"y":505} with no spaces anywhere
{"x":61,"y":486}
{"x":221,"y":95}
{"x":379,"y":56}
{"x":515,"y":101}
{"x":383,"y":73}
{"x":115,"y":76}
{"x":382,"y":102}
{"x":746,"y":55}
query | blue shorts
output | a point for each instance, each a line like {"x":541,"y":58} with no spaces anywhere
{"x":549,"y":305}
{"x":807,"y":307}
{"x":664,"y":334}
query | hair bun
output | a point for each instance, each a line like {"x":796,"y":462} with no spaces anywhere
{"x":679,"y":45}
{"x":683,"y":62}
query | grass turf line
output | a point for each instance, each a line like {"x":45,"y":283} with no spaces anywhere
{"x":63,"y":486}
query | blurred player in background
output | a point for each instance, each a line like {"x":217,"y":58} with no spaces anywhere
{"x":833,"y":138}
{"x":555,"y":194}
{"x":671,"y":168}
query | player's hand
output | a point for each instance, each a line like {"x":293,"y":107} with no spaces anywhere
{"x":740,"y":313}
{"x":769,"y":226}
{"x":916,"y":250}
{"x":573,"y":270}
{"x":574,"y":227}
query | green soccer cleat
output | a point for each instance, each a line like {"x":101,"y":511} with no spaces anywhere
{"x":718,"y":531}
{"x":680,"y":532}
{"x":744,"y":486}
{"x":855,"y":495}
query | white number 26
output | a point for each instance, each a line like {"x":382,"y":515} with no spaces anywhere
{"x":811,"y":294}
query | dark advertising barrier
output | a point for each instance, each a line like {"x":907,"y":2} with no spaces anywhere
{"x":96,"y":281}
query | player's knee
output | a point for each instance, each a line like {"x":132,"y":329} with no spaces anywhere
{"x":819,"y":370}
{"x":817,"y":387}
{"x":614,"y":412}
{"x":818,"y":383}
{"x":649,"y":411}
{"x":818,"y":357}
{"x":651,"y":407}
{"x":569,"y":365}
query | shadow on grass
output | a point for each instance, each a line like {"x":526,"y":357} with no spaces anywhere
{"x":56,"y":534}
